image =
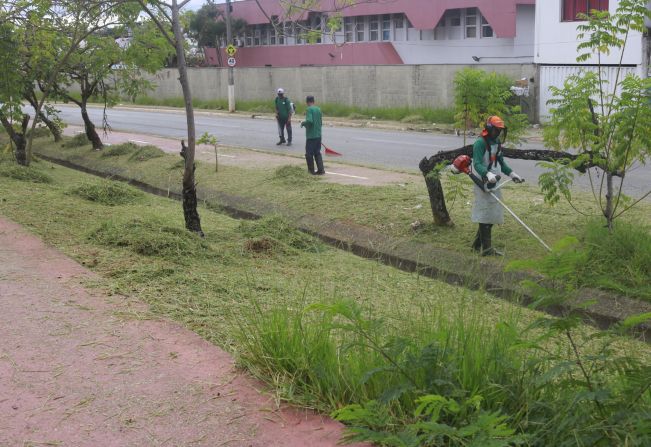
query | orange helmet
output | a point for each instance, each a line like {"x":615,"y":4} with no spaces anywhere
{"x":493,"y":121}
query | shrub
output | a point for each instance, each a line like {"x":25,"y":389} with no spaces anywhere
{"x":107,"y":192}
{"x":24,"y":173}
{"x":151,"y":238}
{"x":413,"y":119}
{"x":117,"y":150}
{"x":40,"y":132}
{"x":77,"y":141}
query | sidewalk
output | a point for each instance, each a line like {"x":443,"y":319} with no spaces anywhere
{"x":249,"y":158}
{"x":80,"y":368}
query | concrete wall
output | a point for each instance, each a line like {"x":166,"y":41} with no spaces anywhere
{"x":361,"y":86}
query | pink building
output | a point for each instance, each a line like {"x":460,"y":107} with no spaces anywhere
{"x":385,"y":33}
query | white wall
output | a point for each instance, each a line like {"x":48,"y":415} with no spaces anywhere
{"x":556,"y":41}
{"x":492,"y":50}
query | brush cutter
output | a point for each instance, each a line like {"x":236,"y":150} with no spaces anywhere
{"x":329,"y":151}
{"x":463,"y":163}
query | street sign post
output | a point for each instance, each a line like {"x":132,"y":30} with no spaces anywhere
{"x":231,"y":61}
{"x":231,"y":50}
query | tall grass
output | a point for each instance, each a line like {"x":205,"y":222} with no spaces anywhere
{"x":413,"y":115}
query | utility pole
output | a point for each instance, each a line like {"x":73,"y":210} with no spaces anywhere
{"x":231,"y":76}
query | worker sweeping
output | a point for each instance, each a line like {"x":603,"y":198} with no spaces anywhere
{"x":488,"y":164}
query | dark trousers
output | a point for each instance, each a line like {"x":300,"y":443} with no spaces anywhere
{"x":483,"y":238}
{"x":313,"y":154}
{"x":282,"y":124}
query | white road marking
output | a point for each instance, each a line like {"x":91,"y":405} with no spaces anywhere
{"x":139,"y":141}
{"x":407,"y":143}
{"x":227,"y":156}
{"x":347,"y":175}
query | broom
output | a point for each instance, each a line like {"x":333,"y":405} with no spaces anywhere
{"x":329,"y":151}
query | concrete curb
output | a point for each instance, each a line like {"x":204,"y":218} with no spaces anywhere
{"x":605,"y":309}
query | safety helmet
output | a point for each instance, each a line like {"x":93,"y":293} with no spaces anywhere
{"x":493,"y":121}
{"x":281,"y":91}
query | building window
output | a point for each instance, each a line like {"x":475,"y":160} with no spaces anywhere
{"x":454,"y":16}
{"x":374,"y":28}
{"x":386,"y":27}
{"x":398,"y":21}
{"x":359,"y":26}
{"x":486,"y":29}
{"x":349,"y":29}
{"x":572,"y":8}
{"x":256,"y":37}
{"x":316,"y":28}
{"x":264,"y":34}
{"x":471,"y":23}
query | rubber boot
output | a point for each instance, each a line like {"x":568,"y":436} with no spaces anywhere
{"x":476,"y":245}
{"x":319,"y":164}
{"x":310,"y":164}
{"x":487,"y":249}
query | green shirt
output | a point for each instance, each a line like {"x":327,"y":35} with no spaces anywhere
{"x":283,"y":107}
{"x":312,"y":123}
{"x":479,"y":150}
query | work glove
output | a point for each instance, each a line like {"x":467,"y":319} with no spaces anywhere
{"x":516,"y":178}
{"x":492,"y":178}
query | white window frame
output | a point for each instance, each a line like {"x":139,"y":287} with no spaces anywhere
{"x":349,"y":29}
{"x":374,"y":22}
{"x":385,"y":27}
{"x":471,"y":13}
{"x":360,"y":29}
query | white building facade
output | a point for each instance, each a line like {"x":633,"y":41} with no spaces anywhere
{"x":556,"y":40}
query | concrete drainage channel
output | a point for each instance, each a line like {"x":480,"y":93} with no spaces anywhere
{"x":608,"y":309}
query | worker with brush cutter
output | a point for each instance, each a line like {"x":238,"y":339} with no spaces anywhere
{"x":488,"y":164}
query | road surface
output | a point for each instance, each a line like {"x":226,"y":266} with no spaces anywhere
{"x":382,"y":148}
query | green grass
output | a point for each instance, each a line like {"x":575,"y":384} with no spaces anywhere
{"x":317,"y":323}
{"x":424,"y":115}
{"x":34,"y":174}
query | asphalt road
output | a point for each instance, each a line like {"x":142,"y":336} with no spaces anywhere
{"x":383,"y":148}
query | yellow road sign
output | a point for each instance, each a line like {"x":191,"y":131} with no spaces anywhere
{"x":231,"y":50}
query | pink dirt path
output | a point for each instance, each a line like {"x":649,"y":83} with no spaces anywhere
{"x":78,"y":368}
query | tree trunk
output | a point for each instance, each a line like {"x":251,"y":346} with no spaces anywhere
{"x":91,"y":133}
{"x":192,"y":220}
{"x":18,"y":139}
{"x":54,"y":129}
{"x":437,"y":202}
{"x":608,"y":212}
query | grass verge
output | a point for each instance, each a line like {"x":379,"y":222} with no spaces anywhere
{"x":390,"y":209}
{"x":412,"y":115}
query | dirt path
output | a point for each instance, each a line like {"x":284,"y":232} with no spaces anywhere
{"x":79,"y":368}
{"x":248,"y":158}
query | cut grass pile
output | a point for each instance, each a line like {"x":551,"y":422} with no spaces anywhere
{"x":276,"y":231}
{"x":24,"y":173}
{"x":107,"y":192}
{"x":118,"y":150}
{"x":292,"y":175}
{"x":290,"y":318}
{"x":150,"y":238}
{"x":144,"y":153}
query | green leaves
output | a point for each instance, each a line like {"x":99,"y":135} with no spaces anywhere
{"x":479,"y":94}
{"x":608,"y":121}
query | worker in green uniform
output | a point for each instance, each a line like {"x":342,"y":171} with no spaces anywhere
{"x":488,"y":163}
{"x":312,"y":126}
{"x":284,"y":117}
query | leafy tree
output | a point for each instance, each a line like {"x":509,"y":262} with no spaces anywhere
{"x":479,"y":94}
{"x":100,"y":66}
{"x":166,"y":16}
{"x":609,"y":125}
{"x":208,"y":25}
